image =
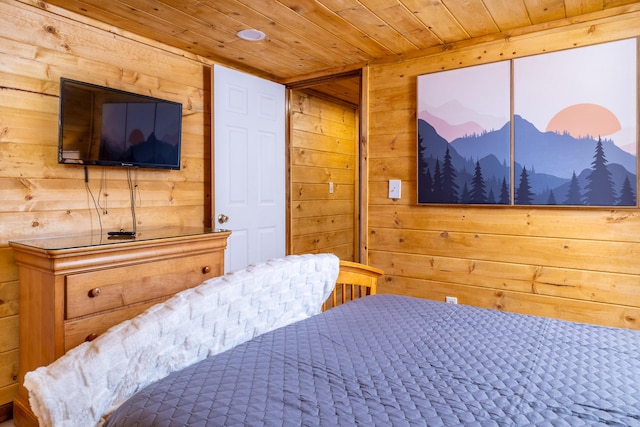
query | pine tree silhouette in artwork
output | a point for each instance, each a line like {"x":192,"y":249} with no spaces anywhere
{"x":465,"y":197}
{"x":426,"y":191}
{"x":477,"y":186}
{"x":424,"y":186}
{"x":627,"y":196}
{"x":599,"y":188}
{"x":573,"y":193}
{"x":449,"y":186}
{"x":491,"y":198}
{"x":552,"y":199}
{"x":504,"y":193}
{"x":524,"y":196}
{"x":437,"y":184}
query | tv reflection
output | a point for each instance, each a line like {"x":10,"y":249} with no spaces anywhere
{"x":123,"y":141}
{"x":150,"y":150}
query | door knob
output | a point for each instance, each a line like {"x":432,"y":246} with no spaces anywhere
{"x":222,"y":218}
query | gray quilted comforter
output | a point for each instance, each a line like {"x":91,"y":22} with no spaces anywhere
{"x":390,"y":360}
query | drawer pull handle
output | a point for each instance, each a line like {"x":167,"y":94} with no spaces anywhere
{"x":94,"y":292}
{"x":206,"y":269}
{"x":91,"y":337}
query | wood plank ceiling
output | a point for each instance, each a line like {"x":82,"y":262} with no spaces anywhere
{"x":307,"y":38}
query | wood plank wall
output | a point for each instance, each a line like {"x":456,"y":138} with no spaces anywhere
{"x":570,"y":263}
{"x":322,"y":149}
{"x":40,"y":197}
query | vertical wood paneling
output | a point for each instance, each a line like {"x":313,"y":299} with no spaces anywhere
{"x":41,"y":197}
{"x":570,"y":263}
{"x":323,"y":150}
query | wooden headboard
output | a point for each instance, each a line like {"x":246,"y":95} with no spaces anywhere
{"x":354,"y":281}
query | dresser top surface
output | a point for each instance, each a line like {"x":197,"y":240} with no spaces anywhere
{"x":101,"y":240}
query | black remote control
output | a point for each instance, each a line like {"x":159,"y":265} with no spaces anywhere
{"x":121,"y":233}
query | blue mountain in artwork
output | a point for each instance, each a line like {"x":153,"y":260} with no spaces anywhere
{"x":479,"y":164}
{"x":561,"y":191}
{"x":561,"y":154}
{"x":431,"y":167}
{"x":484,"y":144}
{"x":434,"y":145}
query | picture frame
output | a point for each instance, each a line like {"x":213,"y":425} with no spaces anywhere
{"x":464,"y":136}
{"x":555,"y":129}
{"x":575,"y":126}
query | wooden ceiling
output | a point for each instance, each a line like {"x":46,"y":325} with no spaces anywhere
{"x":307,"y":38}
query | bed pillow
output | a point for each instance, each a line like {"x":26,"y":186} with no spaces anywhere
{"x":90,"y":381}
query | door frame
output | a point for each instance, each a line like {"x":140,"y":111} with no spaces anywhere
{"x":362,"y":152}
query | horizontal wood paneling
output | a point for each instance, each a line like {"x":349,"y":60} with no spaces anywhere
{"x":9,"y":300}
{"x":322,"y":151}
{"x":324,"y":175}
{"x":317,"y":224}
{"x":8,"y":333}
{"x":304,"y":191}
{"x":582,"y":254}
{"x":580,"y":284}
{"x":41,"y":197}
{"x":615,"y":225}
{"x":8,"y":341}
{"x":8,"y":374}
{"x":525,"y":303}
{"x":571,"y":263}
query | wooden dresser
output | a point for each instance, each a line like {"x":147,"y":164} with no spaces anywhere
{"x":74,"y":288}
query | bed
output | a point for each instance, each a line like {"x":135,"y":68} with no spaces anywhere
{"x":378,"y":360}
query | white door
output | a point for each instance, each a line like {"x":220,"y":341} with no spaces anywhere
{"x":249,"y":166}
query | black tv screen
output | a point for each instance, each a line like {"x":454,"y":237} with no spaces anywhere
{"x":109,"y":127}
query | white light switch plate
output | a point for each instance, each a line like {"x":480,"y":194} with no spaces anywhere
{"x":395,"y":187}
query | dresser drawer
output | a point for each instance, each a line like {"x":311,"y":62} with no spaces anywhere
{"x":86,"y":329}
{"x":100,"y":290}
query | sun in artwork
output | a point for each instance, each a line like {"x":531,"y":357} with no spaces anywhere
{"x":581,"y":120}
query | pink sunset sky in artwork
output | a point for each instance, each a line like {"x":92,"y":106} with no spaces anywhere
{"x":456,"y":105}
{"x":585,"y":91}
{"x":562,"y":91}
{"x":581,"y":120}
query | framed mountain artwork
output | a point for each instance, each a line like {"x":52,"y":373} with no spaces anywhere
{"x":558,"y":128}
{"x":575,"y":126}
{"x":464,"y":136}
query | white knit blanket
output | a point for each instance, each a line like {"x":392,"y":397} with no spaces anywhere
{"x":85,"y":385}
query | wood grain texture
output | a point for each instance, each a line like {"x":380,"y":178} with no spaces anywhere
{"x":322,"y":153}
{"x":169,"y":57}
{"x":570,"y":263}
{"x":311,"y":37}
{"x":41,"y":197}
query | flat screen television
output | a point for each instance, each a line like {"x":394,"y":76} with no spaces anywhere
{"x":109,"y":127}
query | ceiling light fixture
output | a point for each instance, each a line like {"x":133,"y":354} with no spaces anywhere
{"x":251,"y":35}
